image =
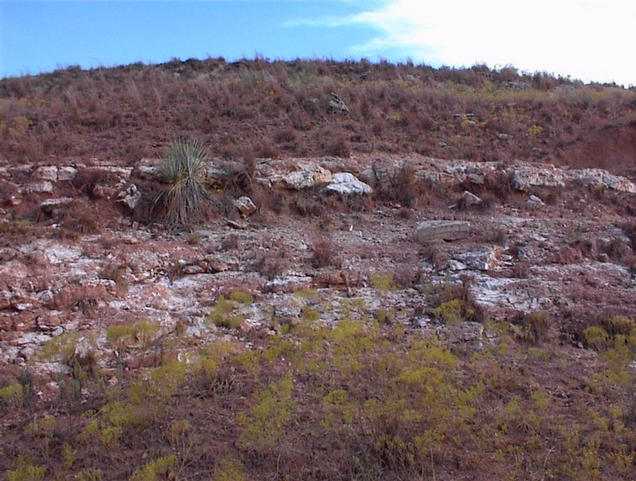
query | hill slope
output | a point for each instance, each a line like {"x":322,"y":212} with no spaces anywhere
{"x":282,"y":109}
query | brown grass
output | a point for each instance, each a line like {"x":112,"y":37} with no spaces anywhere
{"x":281,"y":108}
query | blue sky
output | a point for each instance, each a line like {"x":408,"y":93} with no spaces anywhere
{"x":588,"y":39}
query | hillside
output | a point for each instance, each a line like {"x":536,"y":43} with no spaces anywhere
{"x":345,"y":271}
{"x":282,"y":109}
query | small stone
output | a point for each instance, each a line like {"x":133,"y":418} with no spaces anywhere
{"x":149,"y":171}
{"x":245,"y":206}
{"x":44,"y":187}
{"x":482,"y":259}
{"x":455,"y":265}
{"x":102,"y":191}
{"x":477,"y":179}
{"x":26,"y":353}
{"x":469,"y":199}
{"x":130,"y":197}
{"x":50,"y":204}
{"x":192,"y":269}
{"x":14,"y":200}
{"x":66,"y":173}
{"x":46,"y":173}
{"x":441,"y":230}
{"x":368,"y":176}
{"x":534,"y":202}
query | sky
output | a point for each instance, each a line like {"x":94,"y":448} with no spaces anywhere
{"x":591,"y":40}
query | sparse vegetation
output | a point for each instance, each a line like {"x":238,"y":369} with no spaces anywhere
{"x":314,"y":339}
{"x":471,"y":113}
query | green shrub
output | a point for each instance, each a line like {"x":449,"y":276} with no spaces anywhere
{"x":183,"y":170}
{"x":126,"y":335}
{"x":385,"y":316}
{"x":383,"y":281}
{"x":619,"y":325}
{"x":229,"y":470}
{"x":62,"y":346}
{"x":596,"y":338}
{"x":242,"y":296}
{"x":155,"y":470}
{"x":308,"y":314}
{"x":450,"y":312}
{"x":113,"y":419}
{"x":90,"y":474}
{"x":221,"y":314}
{"x":26,"y":471}
{"x":12,"y":395}
{"x":68,"y":455}
{"x":265,"y":421}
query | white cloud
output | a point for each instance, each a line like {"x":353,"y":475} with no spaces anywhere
{"x":586,"y":39}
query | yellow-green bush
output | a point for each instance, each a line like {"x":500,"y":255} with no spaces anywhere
{"x":230,"y":470}
{"x":243,"y":297}
{"x":221,"y":314}
{"x":450,"y":312}
{"x":264,"y":423}
{"x":596,"y":337}
{"x":26,"y":470}
{"x":12,"y":395}
{"x":383,"y":281}
{"x":90,"y":474}
{"x":127,"y":335}
{"x":61,"y":347}
{"x":155,"y":470}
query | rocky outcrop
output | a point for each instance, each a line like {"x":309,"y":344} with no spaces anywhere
{"x":526,"y":177}
{"x":431,"y":231}
{"x":602,"y":178}
{"x":345,"y":183}
{"x":523,"y":176}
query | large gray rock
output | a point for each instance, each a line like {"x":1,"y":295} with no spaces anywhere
{"x":430,"y":231}
{"x":306,"y":177}
{"x":346,"y":183}
{"x":483,"y":259}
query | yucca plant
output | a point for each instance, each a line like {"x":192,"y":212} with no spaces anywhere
{"x":183,"y":170}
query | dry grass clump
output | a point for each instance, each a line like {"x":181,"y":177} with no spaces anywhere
{"x":323,"y":251}
{"x":183,"y":170}
{"x":401,"y":188}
